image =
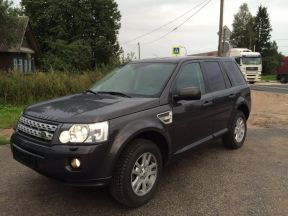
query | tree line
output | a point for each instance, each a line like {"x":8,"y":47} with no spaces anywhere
{"x":254,"y":32}
{"x":82,"y":34}
{"x":72,"y":34}
{"x":8,"y":21}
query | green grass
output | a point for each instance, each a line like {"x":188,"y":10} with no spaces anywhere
{"x":9,"y":115}
{"x":3,"y":141}
{"x":268,"y":77}
{"x":21,"y":89}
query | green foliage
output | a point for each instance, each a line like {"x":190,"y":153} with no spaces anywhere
{"x":271,"y":58}
{"x":67,"y":57}
{"x":243,"y":33}
{"x":78,"y":34}
{"x":128,"y":58}
{"x":249,"y":31}
{"x":3,"y":141}
{"x":9,"y":115}
{"x":7,"y":21}
{"x":19,"y":89}
{"x":262,"y":28}
{"x":269,"y":50}
{"x":268,"y":77}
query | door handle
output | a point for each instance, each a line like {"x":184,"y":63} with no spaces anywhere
{"x":232,"y":96}
{"x":207,"y":103}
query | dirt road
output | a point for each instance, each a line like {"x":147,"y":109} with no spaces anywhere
{"x":269,"y":110}
{"x":270,"y":87}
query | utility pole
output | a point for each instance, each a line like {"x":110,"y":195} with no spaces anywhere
{"x":139,"y":51}
{"x":220,"y":45}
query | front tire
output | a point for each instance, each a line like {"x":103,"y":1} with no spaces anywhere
{"x":137,"y":173}
{"x":235,"y":138}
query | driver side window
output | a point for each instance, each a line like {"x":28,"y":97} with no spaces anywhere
{"x":190,"y":76}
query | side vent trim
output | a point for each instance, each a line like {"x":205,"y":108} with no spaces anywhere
{"x":165,"y":117}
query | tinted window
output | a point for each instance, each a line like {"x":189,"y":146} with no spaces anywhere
{"x":251,"y":60}
{"x":214,"y":76}
{"x":137,"y":79}
{"x":190,"y":76}
{"x":234,"y":73}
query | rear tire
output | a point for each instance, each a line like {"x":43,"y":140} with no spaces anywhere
{"x":137,"y":173}
{"x":235,"y":138}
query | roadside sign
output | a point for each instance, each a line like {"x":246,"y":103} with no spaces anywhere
{"x":176,"y":51}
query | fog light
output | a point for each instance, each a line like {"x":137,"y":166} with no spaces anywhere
{"x":75,"y":163}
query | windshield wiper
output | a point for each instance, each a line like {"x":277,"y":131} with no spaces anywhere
{"x":90,"y":91}
{"x":114,"y":93}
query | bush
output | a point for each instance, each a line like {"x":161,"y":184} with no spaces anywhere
{"x":75,"y":56}
{"x":20,"y":89}
{"x":9,"y":115}
{"x":272,"y":59}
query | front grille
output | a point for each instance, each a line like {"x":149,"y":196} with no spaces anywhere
{"x":252,"y":68}
{"x":37,"y":129}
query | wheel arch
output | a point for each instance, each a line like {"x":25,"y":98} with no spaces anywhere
{"x":153,"y":131}
{"x":154,"y":135}
{"x":243,"y":107}
{"x":157,"y":138}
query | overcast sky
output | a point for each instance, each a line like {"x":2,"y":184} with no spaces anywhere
{"x":199,"y":34}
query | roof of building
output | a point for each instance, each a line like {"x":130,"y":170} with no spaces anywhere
{"x":19,"y":34}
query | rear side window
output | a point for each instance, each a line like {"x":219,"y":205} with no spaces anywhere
{"x":214,"y":76}
{"x":234,"y":73}
{"x":190,"y":76}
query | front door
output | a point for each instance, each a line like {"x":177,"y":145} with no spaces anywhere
{"x":191,"y":121}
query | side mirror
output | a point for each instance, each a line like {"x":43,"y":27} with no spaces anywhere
{"x":238,"y":60}
{"x":189,"y":93}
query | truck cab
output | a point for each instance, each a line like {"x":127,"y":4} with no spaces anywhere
{"x":250,"y":63}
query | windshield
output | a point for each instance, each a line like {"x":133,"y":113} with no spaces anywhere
{"x":251,"y":60}
{"x":136,"y":79}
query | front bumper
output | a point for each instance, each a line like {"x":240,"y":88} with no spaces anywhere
{"x":252,"y":77}
{"x":54,"y":160}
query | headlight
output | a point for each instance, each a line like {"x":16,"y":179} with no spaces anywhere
{"x":85,"y":133}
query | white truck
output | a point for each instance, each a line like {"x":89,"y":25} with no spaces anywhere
{"x":249,"y":62}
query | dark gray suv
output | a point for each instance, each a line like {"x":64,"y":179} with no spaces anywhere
{"x":127,"y":126}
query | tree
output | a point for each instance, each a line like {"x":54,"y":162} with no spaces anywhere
{"x":243,"y":34}
{"x":71,"y":57}
{"x":249,"y":31}
{"x":8,"y":22}
{"x":269,"y":50}
{"x":88,"y":23}
{"x":271,"y":58}
{"x":262,"y":28}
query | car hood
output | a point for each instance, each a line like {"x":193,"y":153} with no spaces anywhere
{"x":89,"y":108}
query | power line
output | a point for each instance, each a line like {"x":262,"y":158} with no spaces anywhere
{"x":177,"y":27}
{"x":166,"y":24}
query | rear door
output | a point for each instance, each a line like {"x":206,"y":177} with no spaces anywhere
{"x":219,"y":88}
{"x":236,"y":78}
